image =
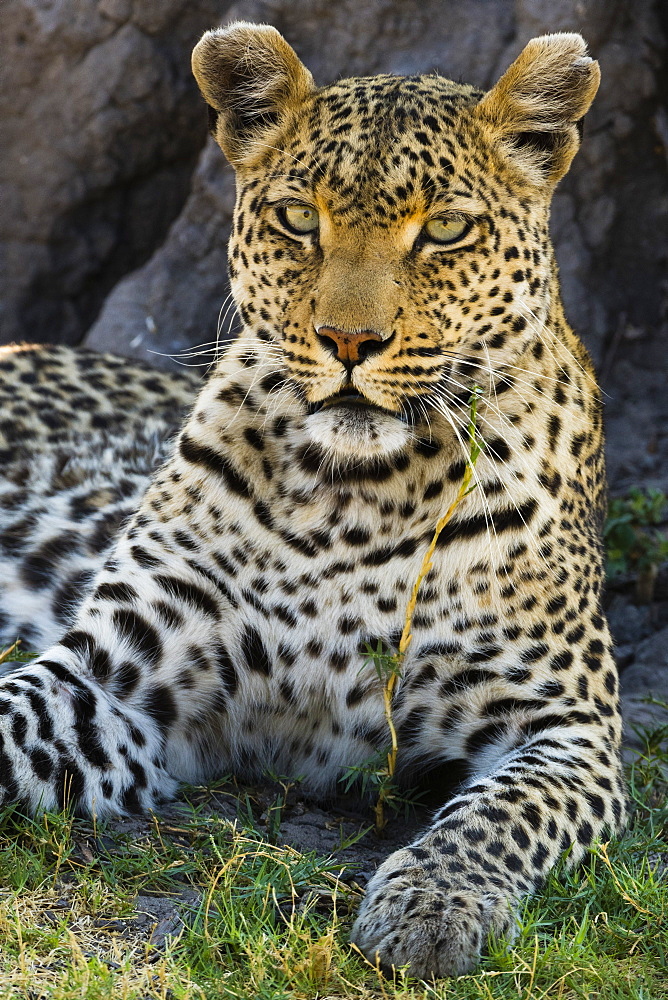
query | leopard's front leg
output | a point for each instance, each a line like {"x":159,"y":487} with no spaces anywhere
{"x":540,"y":787}
{"x":65,"y":740}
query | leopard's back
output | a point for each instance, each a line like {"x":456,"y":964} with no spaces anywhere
{"x":80,"y":436}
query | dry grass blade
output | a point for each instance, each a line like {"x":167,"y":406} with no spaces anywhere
{"x":393,"y":664}
{"x":8,"y":653}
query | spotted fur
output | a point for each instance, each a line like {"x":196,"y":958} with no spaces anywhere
{"x":223,"y":626}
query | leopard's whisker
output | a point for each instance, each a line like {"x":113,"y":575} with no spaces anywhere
{"x":232,"y":310}
{"x":495,"y":375}
{"x":487,"y":448}
{"x":495,"y":409}
{"x":540,"y":328}
{"x":259,"y":373}
{"x":502,"y":368}
{"x":284,"y":152}
{"x":461,"y":439}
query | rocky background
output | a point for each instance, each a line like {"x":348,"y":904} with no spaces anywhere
{"x":115,"y":207}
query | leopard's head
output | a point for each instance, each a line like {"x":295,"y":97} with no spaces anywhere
{"x":390,"y":246}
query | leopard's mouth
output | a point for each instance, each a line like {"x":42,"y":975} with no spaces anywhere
{"x":352,"y":399}
{"x":348,"y":426}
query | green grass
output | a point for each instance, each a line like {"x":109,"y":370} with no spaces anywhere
{"x":634,"y":544}
{"x":263,"y":921}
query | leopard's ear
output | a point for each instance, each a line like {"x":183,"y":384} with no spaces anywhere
{"x":250,"y":78}
{"x":536,"y":108}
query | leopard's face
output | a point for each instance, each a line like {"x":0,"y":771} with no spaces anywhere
{"x":383,"y":215}
{"x":390,"y":247}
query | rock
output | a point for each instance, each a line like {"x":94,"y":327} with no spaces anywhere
{"x":636,"y":413}
{"x":175,"y":300}
{"x":624,"y":656}
{"x":629,"y":623}
{"x":101,"y":125}
{"x":643,"y":685}
{"x":649,"y":672}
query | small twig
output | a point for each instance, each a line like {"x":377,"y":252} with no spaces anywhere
{"x":393,"y":664}
{"x":6,"y":653}
{"x":464,"y":489}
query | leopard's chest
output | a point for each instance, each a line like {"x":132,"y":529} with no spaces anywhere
{"x":307,"y":697}
{"x":284,"y":587}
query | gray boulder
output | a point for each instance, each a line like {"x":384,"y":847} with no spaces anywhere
{"x":101,"y":125}
{"x":644,"y":688}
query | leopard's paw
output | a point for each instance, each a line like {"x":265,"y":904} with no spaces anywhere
{"x":418,"y":918}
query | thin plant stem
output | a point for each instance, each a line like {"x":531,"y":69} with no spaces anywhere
{"x":7,"y":654}
{"x":392,"y":664}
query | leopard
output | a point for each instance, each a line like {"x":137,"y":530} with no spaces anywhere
{"x":205,"y":567}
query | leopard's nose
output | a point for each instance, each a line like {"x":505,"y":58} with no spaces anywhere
{"x":350,"y":348}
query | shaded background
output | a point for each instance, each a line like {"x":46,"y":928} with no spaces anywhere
{"x":115,"y":208}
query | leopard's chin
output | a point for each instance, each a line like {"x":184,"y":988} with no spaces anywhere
{"x":350,"y":428}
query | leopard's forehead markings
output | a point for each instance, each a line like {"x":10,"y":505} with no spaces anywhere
{"x":381,"y":146}
{"x":399,"y":100}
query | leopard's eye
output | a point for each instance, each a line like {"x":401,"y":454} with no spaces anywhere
{"x":299,"y":218}
{"x":446,"y":230}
